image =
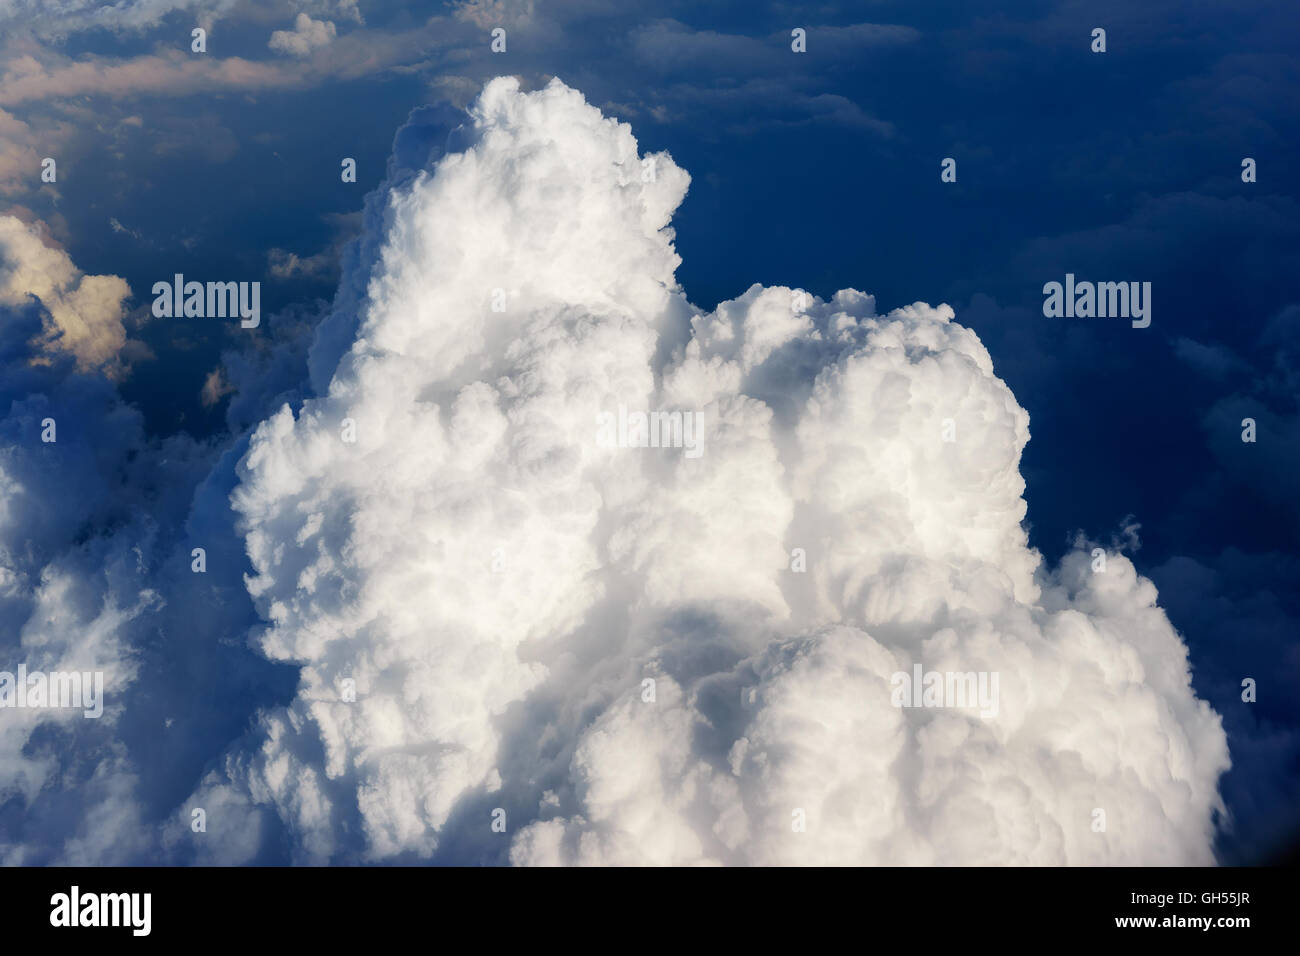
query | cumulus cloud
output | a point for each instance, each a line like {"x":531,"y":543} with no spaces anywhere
{"x":83,"y":313}
{"x":307,"y":35}
{"x":643,"y":656}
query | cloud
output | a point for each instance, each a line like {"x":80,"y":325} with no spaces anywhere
{"x":61,"y":18}
{"x":494,"y":13}
{"x":283,"y":264}
{"x":20,"y":163}
{"x":1268,"y":397}
{"x":97,"y":526}
{"x":671,"y":46}
{"x":169,"y":74}
{"x":83,"y":313}
{"x":288,"y":265}
{"x":22,"y":148}
{"x":307,"y":35}
{"x":274,"y":371}
{"x":40,"y":75}
{"x":441,"y":532}
{"x":116,"y":226}
{"x":1241,"y":610}
{"x":1213,"y":361}
{"x":215,"y":387}
{"x":73,"y":541}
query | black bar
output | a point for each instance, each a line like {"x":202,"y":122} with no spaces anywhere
{"x":485,"y":906}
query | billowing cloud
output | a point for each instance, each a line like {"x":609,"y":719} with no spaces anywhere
{"x":83,"y":313}
{"x":669,"y":654}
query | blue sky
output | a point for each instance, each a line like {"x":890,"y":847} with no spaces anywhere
{"x":819,"y":170}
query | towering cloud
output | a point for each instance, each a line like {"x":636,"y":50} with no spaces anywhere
{"x":635,"y":655}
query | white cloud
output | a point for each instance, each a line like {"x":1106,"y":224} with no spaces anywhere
{"x":498,"y":585}
{"x":307,"y":35}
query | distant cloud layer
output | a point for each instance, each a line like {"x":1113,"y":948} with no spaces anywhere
{"x":56,"y":18}
{"x":615,"y":646}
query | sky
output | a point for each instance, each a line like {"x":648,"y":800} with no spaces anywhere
{"x":496,"y":585}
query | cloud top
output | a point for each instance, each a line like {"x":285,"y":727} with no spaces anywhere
{"x":639,"y":656}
